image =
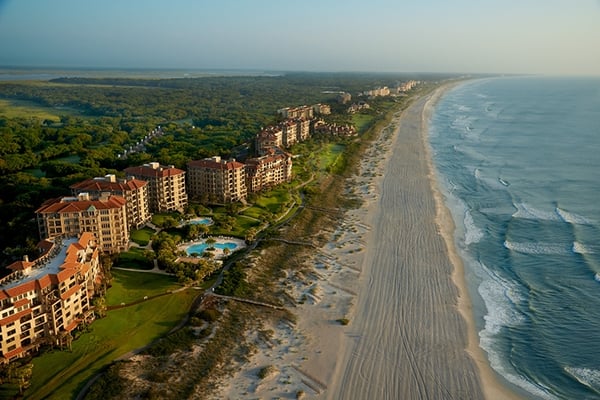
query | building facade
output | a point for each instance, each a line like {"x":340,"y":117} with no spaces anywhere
{"x":217,"y":181}
{"x":106,"y":218}
{"x":45,"y":299}
{"x":267,"y":171}
{"x":135,"y":192}
{"x":166,"y":186}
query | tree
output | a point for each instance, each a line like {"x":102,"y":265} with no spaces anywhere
{"x":250,"y":235}
{"x":99,"y":304}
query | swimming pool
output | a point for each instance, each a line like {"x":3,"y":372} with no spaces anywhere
{"x":199,"y":248}
{"x":196,"y":249}
{"x":200,"y":221}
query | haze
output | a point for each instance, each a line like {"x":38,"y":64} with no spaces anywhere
{"x":461,"y":36}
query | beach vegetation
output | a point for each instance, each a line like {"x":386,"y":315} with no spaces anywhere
{"x":266,"y":371}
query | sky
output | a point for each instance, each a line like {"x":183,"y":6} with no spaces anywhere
{"x":553,"y":37}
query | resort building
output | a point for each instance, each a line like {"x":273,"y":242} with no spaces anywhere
{"x":269,"y":138}
{"x":106,"y":218}
{"x":305,"y":112}
{"x":45,"y":299}
{"x":267,"y":171}
{"x":303,"y":129}
{"x":344,"y":98}
{"x":166,"y":186}
{"x":289,"y":128}
{"x":322,"y":128}
{"x":323,"y":109}
{"x":217,"y":181}
{"x":134,"y":191}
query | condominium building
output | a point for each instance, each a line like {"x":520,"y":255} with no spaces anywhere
{"x":166,"y":186}
{"x":267,"y":171}
{"x":323,"y":109}
{"x":305,"y":112}
{"x":45,"y":299}
{"x":303,"y":132}
{"x":269,"y":138}
{"x":289,"y":128}
{"x":106,"y":218}
{"x":135,"y":192}
{"x":216,"y":180}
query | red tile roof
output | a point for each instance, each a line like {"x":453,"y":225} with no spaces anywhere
{"x":20,"y":265}
{"x":212,"y":164}
{"x":70,"y":292}
{"x":99,"y":185}
{"x":70,"y":204}
{"x":149,"y":172}
{"x":12,"y":353}
{"x":20,"y":289}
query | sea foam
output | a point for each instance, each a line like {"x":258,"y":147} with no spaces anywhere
{"x":537,"y":248}
{"x":525,"y":211}
{"x":501,"y":297}
{"x":586,"y":376}
{"x":573,"y":218}
{"x":581,"y":248}
{"x":472,"y":233}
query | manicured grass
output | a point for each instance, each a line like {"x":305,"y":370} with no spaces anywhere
{"x":362,"y":121}
{"x":129,"y":286}
{"x":330,"y":155}
{"x":134,"y":258}
{"x":254,"y":212}
{"x":274,"y":199}
{"x":142,"y":236}
{"x":61,"y":374}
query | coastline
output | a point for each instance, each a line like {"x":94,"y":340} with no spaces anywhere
{"x":492,"y":388}
{"x":408,"y":323}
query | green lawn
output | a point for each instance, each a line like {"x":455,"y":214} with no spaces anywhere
{"x":362,"y":121}
{"x":134,"y":258}
{"x":129,"y":286}
{"x":330,"y":155}
{"x":142,"y":236}
{"x":61,"y":374}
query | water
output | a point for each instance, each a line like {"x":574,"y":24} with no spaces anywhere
{"x":199,"y":248}
{"x":518,"y":160}
{"x":199,"y":221}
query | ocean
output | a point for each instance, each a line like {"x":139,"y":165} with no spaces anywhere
{"x":518,"y":161}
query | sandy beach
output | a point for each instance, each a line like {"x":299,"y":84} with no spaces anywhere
{"x":383,"y":312}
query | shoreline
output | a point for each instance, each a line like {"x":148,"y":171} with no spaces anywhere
{"x":408,"y":324}
{"x":492,"y":387}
